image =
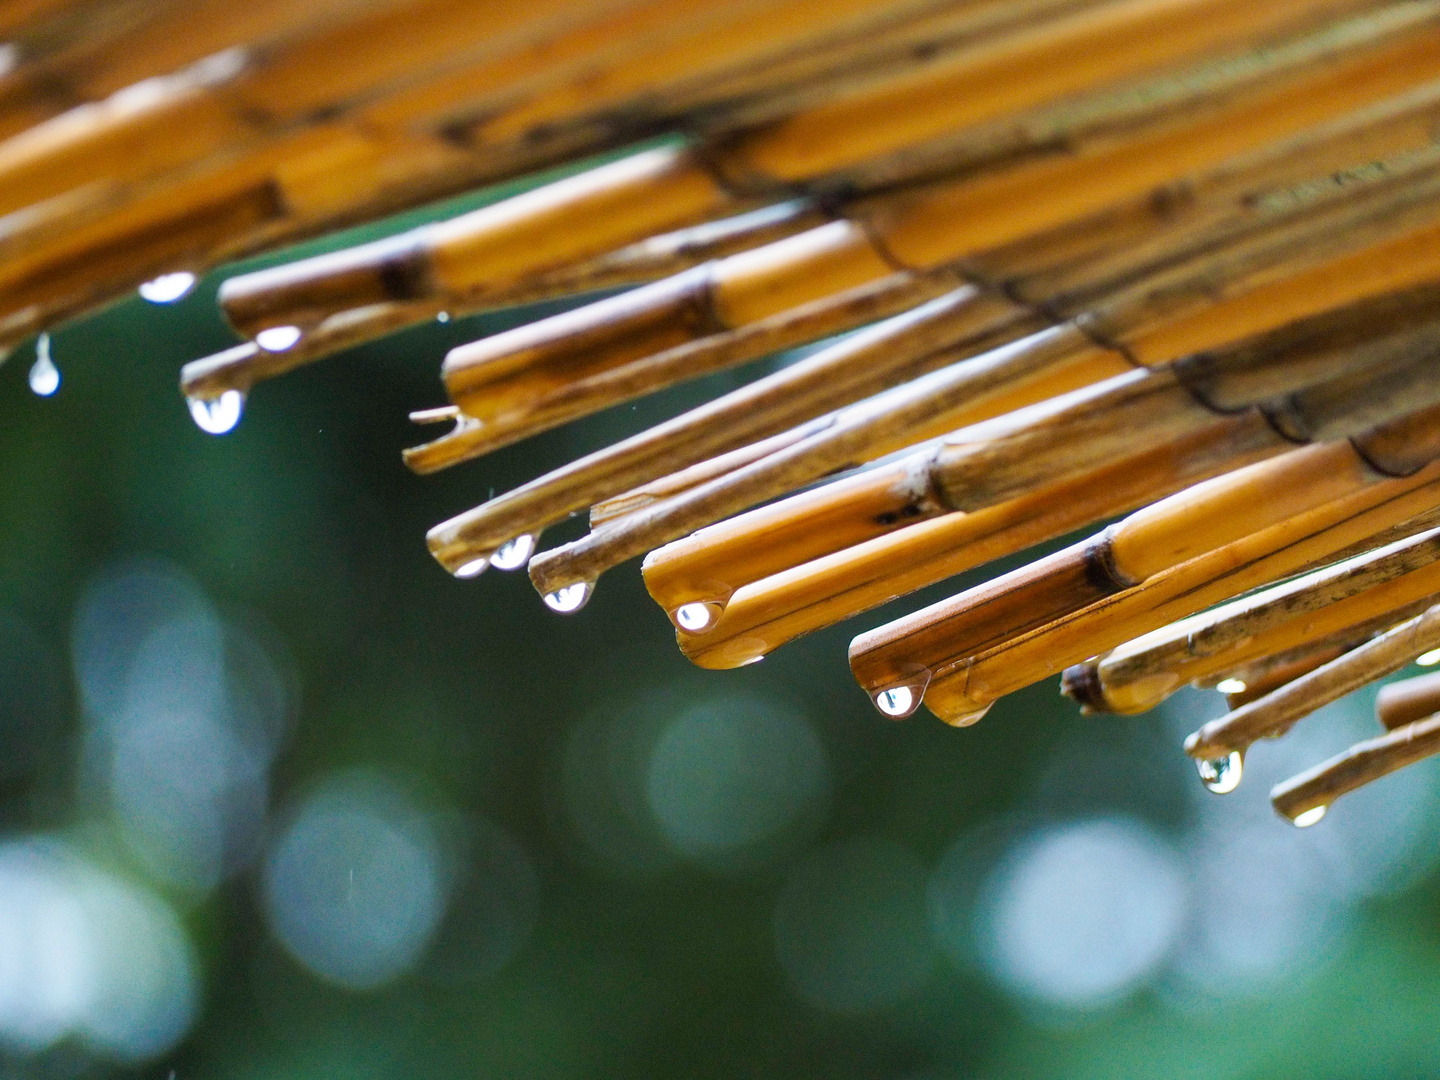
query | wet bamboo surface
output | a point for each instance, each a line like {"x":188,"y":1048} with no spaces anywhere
{"x":1176,"y":260}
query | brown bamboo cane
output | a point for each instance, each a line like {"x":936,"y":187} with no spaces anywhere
{"x":763,"y":615}
{"x":1303,"y":799}
{"x":804,"y":267}
{"x":548,"y":499}
{"x":1140,"y":674}
{"x":241,"y":367}
{"x":876,"y":430}
{"x":760,"y":617}
{"x":1070,"y":268}
{"x":1278,"y":710}
{"x":531,"y":378}
{"x":1404,"y":702}
{"x":474,"y":249}
{"x":1035,"y":450}
{"x":1197,"y":545}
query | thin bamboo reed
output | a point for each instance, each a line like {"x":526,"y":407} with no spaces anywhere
{"x":1193,"y":560}
{"x":477,"y":250}
{"x":1304,"y":799}
{"x":1142,"y":673}
{"x":1386,"y":654}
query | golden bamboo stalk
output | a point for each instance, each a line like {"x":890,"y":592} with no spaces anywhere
{"x":761,"y":616}
{"x":1280,"y":709}
{"x":1189,"y":551}
{"x":1303,"y":799}
{"x":241,"y":367}
{"x":478,"y":250}
{"x":1140,"y":674}
{"x":1048,"y":364}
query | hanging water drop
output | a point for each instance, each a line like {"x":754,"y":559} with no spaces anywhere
{"x":696,"y":617}
{"x":514,"y":554}
{"x":444,"y":316}
{"x":897,"y":702}
{"x":1231,"y":686}
{"x":473,"y":568}
{"x":44,"y":375}
{"x":216,"y":416}
{"x":278,"y":338}
{"x":1306,"y":818}
{"x":168,"y":288}
{"x":569,"y":598}
{"x":1222,"y":775}
{"x":1428,"y":659}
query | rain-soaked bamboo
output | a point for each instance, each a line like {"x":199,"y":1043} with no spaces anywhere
{"x":1303,"y":799}
{"x":1385,"y":655}
{"x":583,"y":218}
{"x":1188,"y":552}
{"x":1404,"y":702}
{"x":1141,"y":673}
{"x":1049,"y":363}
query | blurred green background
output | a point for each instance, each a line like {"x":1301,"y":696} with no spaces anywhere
{"x":280,"y":798}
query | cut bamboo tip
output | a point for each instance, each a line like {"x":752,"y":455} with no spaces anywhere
{"x":1404,"y":702}
{"x":1304,"y":799}
{"x":582,"y":216}
{"x":1281,"y":708}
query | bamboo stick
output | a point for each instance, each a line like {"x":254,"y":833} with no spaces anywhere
{"x":764,"y":408}
{"x":1404,"y":702}
{"x":1193,"y":560}
{"x":941,"y":402}
{"x":1277,"y":711}
{"x":478,"y":250}
{"x":1303,"y":799}
{"x":1068,"y":269}
{"x":243,"y":366}
{"x":1141,"y":673}
{"x":762,"y":616}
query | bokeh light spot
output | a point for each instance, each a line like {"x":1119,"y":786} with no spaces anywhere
{"x":1080,"y":915}
{"x":354,"y":885}
{"x":731,"y":778}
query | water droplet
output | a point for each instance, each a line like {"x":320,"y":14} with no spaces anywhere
{"x":569,"y":598}
{"x":1428,"y":659}
{"x":1231,"y":686}
{"x":752,"y":660}
{"x":1221,"y":775}
{"x":218,"y":415}
{"x":897,"y":702}
{"x":44,"y":375}
{"x":278,"y":338}
{"x":444,"y":316}
{"x":473,"y":568}
{"x":167,"y":288}
{"x":514,"y":554}
{"x":1306,"y":818}
{"x":693,"y":618}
